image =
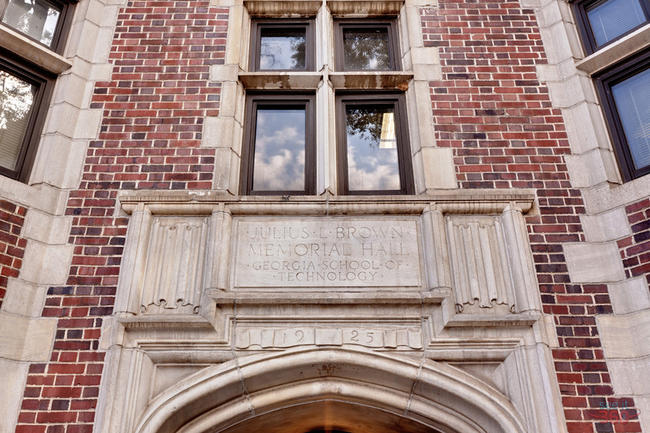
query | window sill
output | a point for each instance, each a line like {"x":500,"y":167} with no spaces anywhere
{"x":30,"y":50}
{"x":617,"y":51}
{"x":280,"y":80}
{"x":364,"y":8}
{"x":282,"y":9}
{"x":371,"y":80}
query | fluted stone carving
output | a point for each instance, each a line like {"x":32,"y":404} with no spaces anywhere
{"x":174,"y":265}
{"x":491,"y":262}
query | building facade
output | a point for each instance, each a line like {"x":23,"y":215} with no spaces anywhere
{"x":325,"y":215}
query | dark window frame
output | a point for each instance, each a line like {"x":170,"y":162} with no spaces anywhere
{"x":405,"y":164}
{"x":584,"y":27}
{"x":45,"y":84}
{"x":604,"y":82}
{"x":340,"y":25}
{"x":257,"y":25}
{"x":62,"y":26}
{"x":280,"y":100}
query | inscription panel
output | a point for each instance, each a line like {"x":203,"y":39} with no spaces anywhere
{"x":389,"y":338}
{"x":333,"y":252}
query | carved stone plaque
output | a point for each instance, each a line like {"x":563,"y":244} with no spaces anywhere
{"x":332,"y":252}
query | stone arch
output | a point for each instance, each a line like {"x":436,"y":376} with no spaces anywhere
{"x":417,"y":392}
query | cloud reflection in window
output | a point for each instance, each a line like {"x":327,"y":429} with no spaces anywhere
{"x":279,"y":150}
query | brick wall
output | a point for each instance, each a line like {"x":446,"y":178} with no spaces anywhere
{"x":12,"y":246}
{"x":491,"y":109}
{"x":635,"y":249}
{"x":154,"y":108}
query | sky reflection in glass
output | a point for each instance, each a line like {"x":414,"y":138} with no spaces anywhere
{"x":366,"y":50}
{"x":632,"y":98}
{"x":16,"y":99}
{"x":282,"y":49}
{"x":279,"y":150}
{"x":612,"y":18}
{"x":371,"y":149}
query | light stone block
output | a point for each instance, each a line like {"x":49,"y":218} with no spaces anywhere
{"x":630,"y":295}
{"x":571,"y":91}
{"x":74,"y":90}
{"x":557,"y":42}
{"x":30,"y":339}
{"x":549,"y":14}
{"x":427,"y":72}
{"x":32,"y":196}
{"x":630,"y":376}
{"x":46,"y":264}
{"x":593,"y":262}
{"x":88,"y":124}
{"x":219,"y":132}
{"x":587,"y":169}
{"x":438,"y":168}
{"x":59,"y":162}
{"x":224,"y":72}
{"x":14,"y":375}
{"x":586,"y":127}
{"x":226,"y":170}
{"x":82,"y":40}
{"x":46,"y":228}
{"x":606,"y":226}
{"x":24,"y":298}
{"x":334,"y":253}
{"x":62,"y":118}
{"x":425,"y":56}
{"x":625,"y":336}
{"x":605,"y":197}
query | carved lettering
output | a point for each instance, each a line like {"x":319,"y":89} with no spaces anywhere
{"x":334,"y":252}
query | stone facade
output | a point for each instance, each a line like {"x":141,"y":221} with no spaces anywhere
{"x":141,"y":291}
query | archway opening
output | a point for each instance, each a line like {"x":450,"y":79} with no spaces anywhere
{"x":330,"y":416}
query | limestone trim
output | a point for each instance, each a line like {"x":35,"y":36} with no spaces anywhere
{"x":432,"y":167}
{"x":427,"y":392}
{"x":615,"y":52}
{"x":47,"y":59}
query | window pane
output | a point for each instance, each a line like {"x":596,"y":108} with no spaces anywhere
{"x":371,"y":149}
{"x":366,"y":50}
{"x":279,"y":150}
{"x":16,"y":98}
{"x":612,"y":18}
{"x":282,"y":49}
{"x":35,"y":18}
{"x":632,"y":98}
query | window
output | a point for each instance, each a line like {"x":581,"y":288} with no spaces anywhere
{"x":282,"y":45}
{"x":373,"y":151}
{"x":366,"y":46}
{"x":23,"y":95}
{"x":279,"y":144}
{"x":40,"y":20}
{"x":603,"y":21}
{"x":367,"y":121}
{"x":625,"y":96}
{"x":25,"y":89}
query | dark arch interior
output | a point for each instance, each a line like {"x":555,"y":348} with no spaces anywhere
{"x":330,"y":416}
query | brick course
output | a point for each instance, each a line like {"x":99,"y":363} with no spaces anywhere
{"x":635,"y":249}
{"x":492,"y":110}
{"x":150,"y":136}
{"x":12,"y":245}
{"x":489,"y":107}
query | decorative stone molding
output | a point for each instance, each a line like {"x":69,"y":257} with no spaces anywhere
{"x":24,"y":47}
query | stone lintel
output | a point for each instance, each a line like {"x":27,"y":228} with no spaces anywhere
{"x":280,"y":80}
{"x":474,"y":201}
{"x":22,"y":46}
{"x":371,"y":80}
